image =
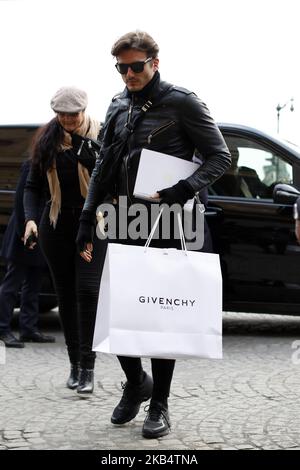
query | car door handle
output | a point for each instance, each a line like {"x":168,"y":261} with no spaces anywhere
{"x":212,"y":211}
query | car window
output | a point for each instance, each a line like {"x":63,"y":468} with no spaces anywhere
{"x":254,"y":171}
{"x":14,"y":144}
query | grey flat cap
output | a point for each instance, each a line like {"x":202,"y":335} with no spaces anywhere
{"x":69,"y":100}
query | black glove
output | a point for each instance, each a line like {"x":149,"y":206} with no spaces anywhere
{"x":86,"y":230}
{"x":180,"y":193}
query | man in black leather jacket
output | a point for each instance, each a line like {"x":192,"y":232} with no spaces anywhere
{"x":162,"y":117}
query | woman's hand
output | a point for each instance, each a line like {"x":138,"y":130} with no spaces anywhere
{"x":31,"y":234}
{"x":87,"y":253}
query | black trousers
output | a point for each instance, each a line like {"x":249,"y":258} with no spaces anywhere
{"x":76,"y":282}
{"x":28,"y":278}
{"x":162,"y":369}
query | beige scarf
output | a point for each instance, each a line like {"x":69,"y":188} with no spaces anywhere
{"x":89,"y":128}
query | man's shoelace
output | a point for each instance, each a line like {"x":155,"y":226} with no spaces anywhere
{"x":155,"y":412}
{"x":129,"y":393}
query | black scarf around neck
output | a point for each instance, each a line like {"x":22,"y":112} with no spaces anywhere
{"x":147,"y":91}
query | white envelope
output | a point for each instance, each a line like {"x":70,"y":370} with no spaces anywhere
{"x":159,"y":171}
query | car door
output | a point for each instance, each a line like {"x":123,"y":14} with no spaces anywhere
{"x":260,"y":257}
{"x":14,"y":144}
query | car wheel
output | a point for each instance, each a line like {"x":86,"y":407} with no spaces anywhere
{"x":47,"y":304}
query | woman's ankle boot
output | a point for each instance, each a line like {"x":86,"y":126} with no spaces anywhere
{"x":72,"y":381}
{"x":86,"y":381}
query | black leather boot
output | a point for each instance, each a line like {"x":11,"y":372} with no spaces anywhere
{"x":157,"y":422}
{"x":72,"y":381}
{"x":132,"y":398}
{"x":86,"y":381}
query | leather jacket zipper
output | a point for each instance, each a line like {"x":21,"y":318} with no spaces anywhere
{"x":159,"y":130}
{"x":89,"y":144}
{"x":129,"y":114}
{"x":126,"y":175}
{"x":127,"y":156}
{"x":80,"y":148}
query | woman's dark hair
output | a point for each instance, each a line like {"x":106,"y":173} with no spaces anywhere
{"x":45,"y":144}
{"x":139,"y":40}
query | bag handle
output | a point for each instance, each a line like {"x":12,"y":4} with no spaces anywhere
{"x":182,"y":237}
{"x":181,"y":232}
{"x":153,"y":229}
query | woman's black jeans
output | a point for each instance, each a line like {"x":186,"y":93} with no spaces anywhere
{"x":76,"y":282}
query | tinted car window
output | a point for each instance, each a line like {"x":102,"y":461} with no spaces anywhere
{"x":14,"y":144}
{"x":254,"y":171}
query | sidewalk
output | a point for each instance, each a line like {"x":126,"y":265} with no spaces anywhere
{"x":248,"y":400}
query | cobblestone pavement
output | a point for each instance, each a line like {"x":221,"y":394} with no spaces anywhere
{"x":248,"y":400}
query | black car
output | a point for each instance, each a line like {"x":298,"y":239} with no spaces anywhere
{"x":253,"y":233}
{"x":14,"y":144}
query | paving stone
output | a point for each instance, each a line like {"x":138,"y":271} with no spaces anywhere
{"x":29,"y":435}
{"x":15,"y":445}
{"x":35,"y":440}
{"x":12,"y":434}
{"x":248,"y":400}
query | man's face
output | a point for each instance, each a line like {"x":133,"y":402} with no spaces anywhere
{"x":137,"y":81}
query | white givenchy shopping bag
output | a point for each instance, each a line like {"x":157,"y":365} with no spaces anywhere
{"x":162,"y":303}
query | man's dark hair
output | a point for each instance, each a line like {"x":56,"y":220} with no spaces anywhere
{"x":139,"y":40}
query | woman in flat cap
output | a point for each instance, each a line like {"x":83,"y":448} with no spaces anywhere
{"x":63,"y":157}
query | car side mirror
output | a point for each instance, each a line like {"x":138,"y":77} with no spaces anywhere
{"x":285,"y":194}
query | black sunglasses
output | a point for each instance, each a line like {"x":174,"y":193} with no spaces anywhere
{"x":136,"y":67}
